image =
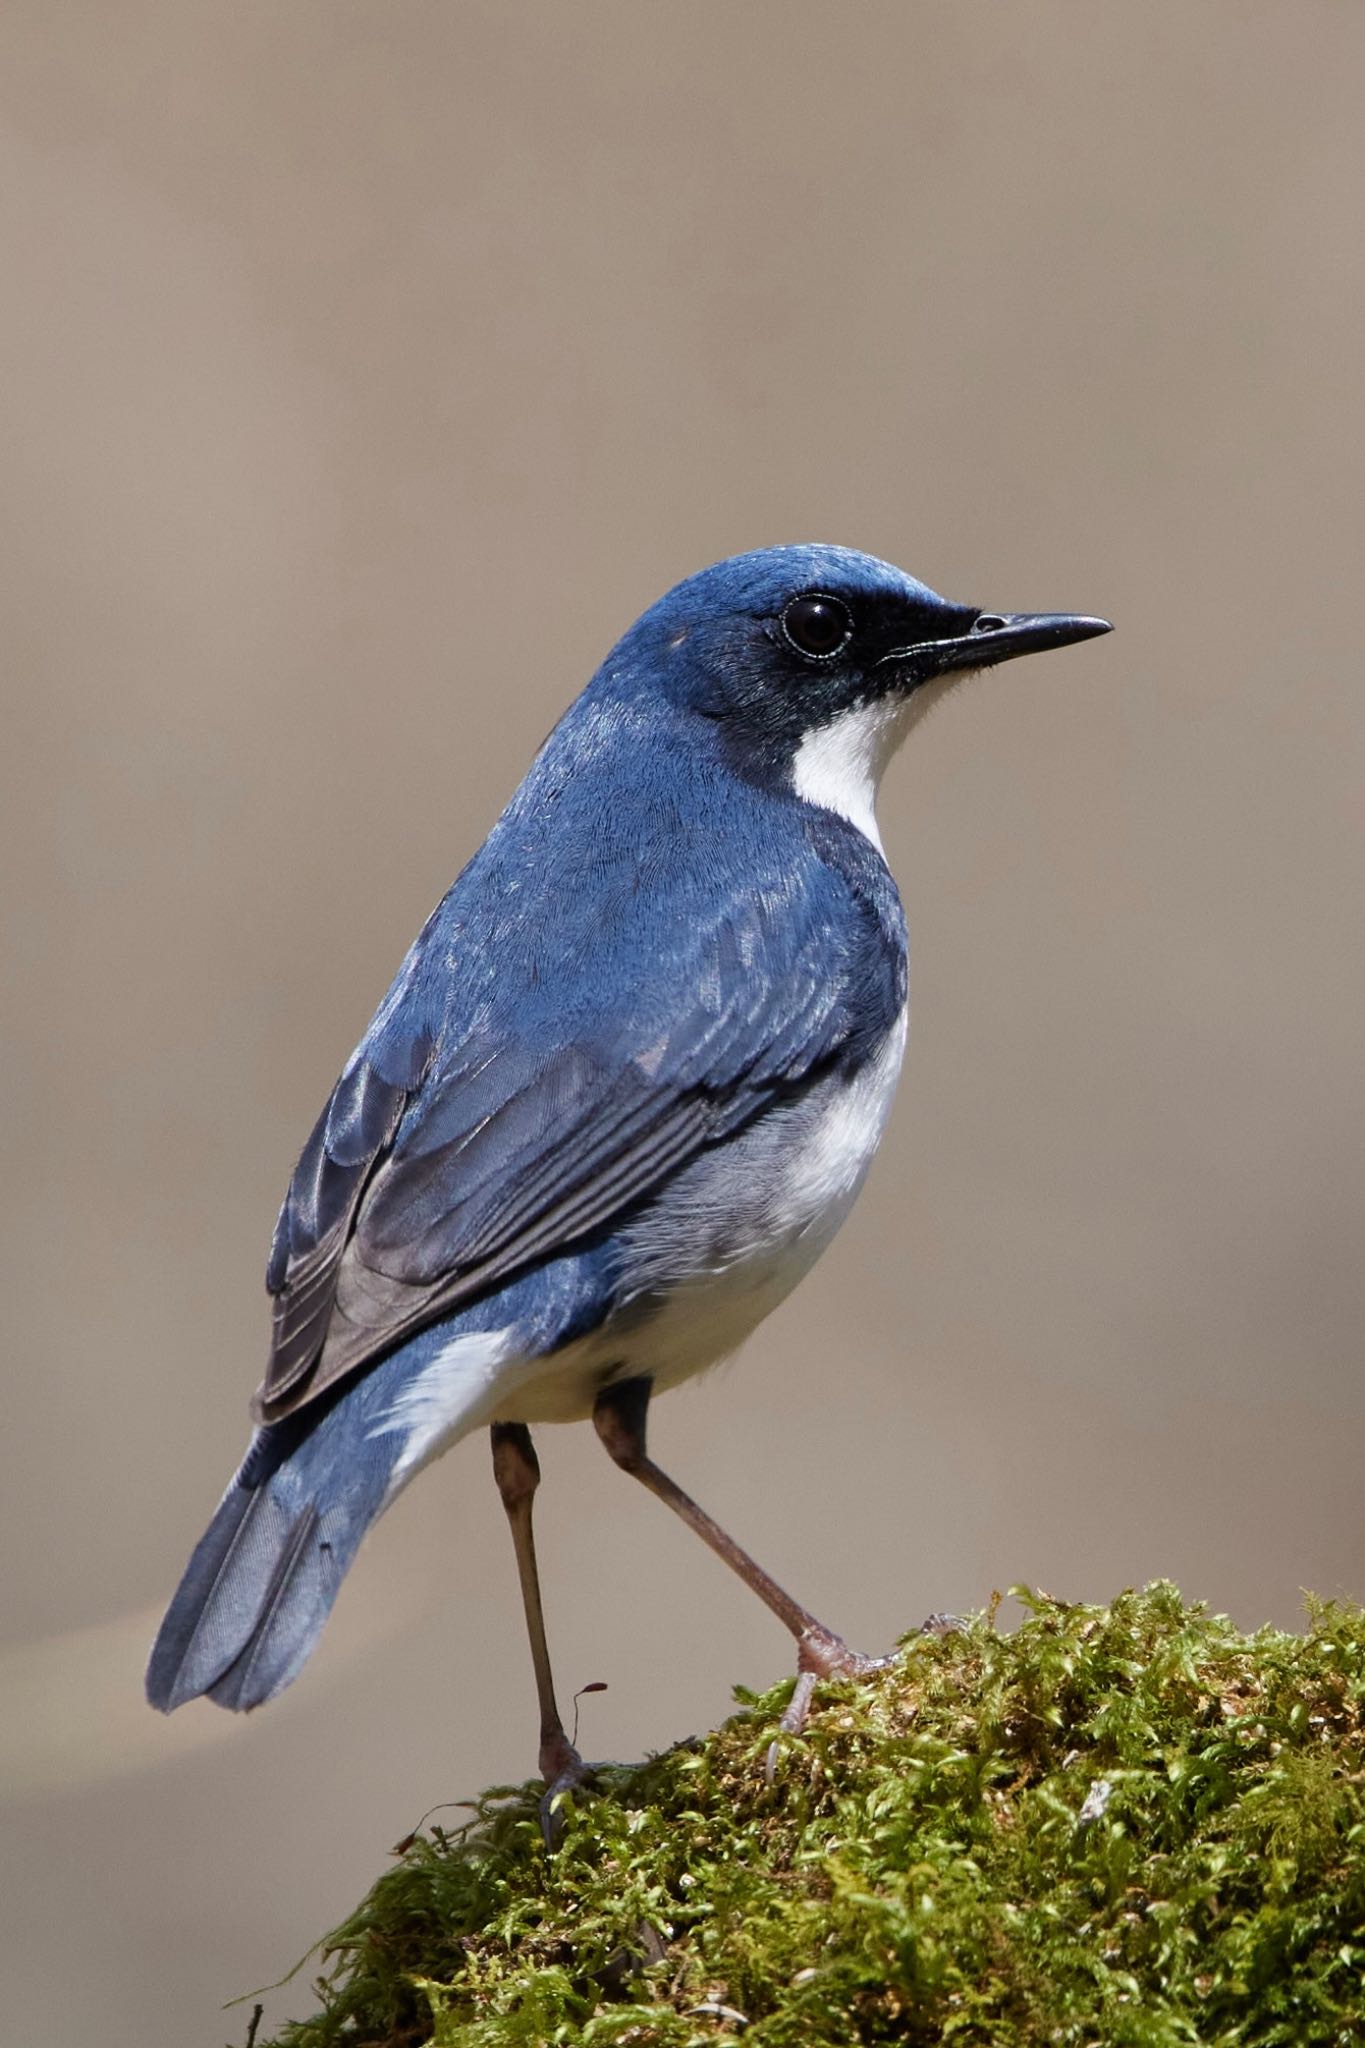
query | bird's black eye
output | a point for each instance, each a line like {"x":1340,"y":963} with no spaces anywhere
{"x":817,"y":625}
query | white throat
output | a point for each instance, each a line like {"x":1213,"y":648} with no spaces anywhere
{"x":839,"y":766}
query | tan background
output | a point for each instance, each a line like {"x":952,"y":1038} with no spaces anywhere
{"x":366,"y":368}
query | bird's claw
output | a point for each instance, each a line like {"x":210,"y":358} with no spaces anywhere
{"x":563,"y":1770}
{"x":940,"y":1625}
{"x":566,"y":1781}
{"x":822,"y":1654}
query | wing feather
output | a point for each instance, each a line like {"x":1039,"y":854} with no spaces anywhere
{"x":455,"y":1153}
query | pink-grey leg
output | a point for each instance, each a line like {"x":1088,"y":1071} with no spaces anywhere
{"x":619,"y":1416}
{"x":516,"y":1469}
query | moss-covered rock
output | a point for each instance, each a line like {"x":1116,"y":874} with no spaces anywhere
{"x":1122,"y":1825}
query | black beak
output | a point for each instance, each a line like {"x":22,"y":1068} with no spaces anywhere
{"x":998,"y":636}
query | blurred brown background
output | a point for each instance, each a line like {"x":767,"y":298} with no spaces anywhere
{"x":367,"y":368}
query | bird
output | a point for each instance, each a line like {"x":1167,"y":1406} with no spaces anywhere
{"x":622,"y":1092}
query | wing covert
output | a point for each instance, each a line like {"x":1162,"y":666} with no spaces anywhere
{"x":502,"y":1138}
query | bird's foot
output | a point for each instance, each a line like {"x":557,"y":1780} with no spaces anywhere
{"x":822,"y":1654}
{"x":563,"y":1770}
{"x":940,"y":1625}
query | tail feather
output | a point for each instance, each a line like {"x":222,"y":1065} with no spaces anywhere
{"x":291,"y":1615}
{"x":217,"y":1602}
{"x":262,"y":1581}
{"x":263,"y":1578}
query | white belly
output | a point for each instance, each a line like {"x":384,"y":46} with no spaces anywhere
{"x":715,"y":1253}
{"x":725,"y":1243}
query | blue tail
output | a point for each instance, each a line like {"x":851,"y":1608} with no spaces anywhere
{"x":262,"y":1580}
{"x":261,"y":1584}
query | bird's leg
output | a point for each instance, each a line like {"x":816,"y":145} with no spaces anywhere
{"x":619,"y":1415}
{"x":517,"y":1471}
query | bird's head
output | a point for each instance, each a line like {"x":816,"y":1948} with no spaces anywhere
{"x":813,"y":661}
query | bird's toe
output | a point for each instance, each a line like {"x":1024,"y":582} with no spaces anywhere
{"x":571,"y":1774}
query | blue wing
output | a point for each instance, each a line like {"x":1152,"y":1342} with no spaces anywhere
{"x":597,"y":999}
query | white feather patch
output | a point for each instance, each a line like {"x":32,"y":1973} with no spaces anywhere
{"x":839,"y":766}
{"x":457,"y":1392}
{"x":824,"y":1174}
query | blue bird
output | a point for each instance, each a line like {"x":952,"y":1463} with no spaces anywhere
{"x":620,"y":1096}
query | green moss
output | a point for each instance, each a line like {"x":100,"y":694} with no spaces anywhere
{"x":1121,"y":1827}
